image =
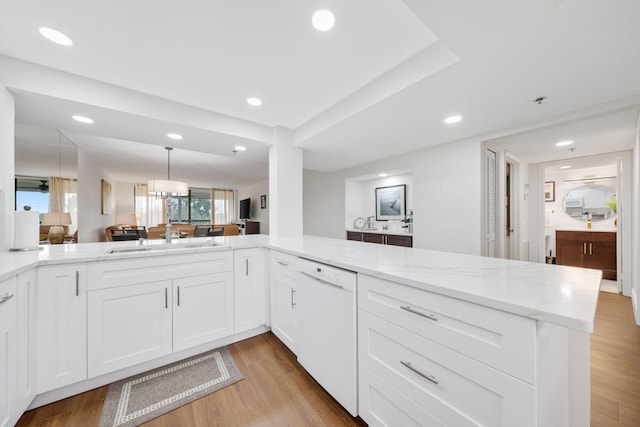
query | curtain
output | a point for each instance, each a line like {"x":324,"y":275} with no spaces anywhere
{"x":63,"y":197}
{"x":150,"y":209}
{"x":224,"y":206}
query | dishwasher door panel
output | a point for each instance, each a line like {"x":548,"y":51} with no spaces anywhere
{"x":327,"y":338}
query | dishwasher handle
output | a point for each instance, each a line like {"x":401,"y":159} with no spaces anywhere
{"x":322,"y":281}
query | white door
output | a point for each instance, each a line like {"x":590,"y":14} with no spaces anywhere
{"x":203,"y":309}
{"x":8,"y":351}
{"x":61,"y":326}
{"x":128,"y":325}
{"x":249,"y":289}
{"x":26,"y":339}
{"x":490,"y":217}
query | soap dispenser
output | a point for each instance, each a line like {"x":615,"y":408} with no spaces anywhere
{"x":589,"y":221}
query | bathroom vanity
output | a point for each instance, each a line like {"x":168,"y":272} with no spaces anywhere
{"x":588,"y":249}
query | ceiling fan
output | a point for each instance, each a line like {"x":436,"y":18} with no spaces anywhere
{"x":44,"y":186}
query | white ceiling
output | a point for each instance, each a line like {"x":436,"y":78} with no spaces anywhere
{"x":379,"y":84}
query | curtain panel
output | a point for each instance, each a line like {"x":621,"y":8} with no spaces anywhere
{"x":151,"y":210}
{"x":63,"y":197}
{"x":224,"y":206}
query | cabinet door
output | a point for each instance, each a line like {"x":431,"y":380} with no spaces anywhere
{"x":249,"y":289}
{"x":26,"y":339}
{"x":353,"y":235}
{"x":406,"y":241}
{"x":8,"y":352}
{"x":203,"y":309}
{"x":373,"y":238}
{"x":128,"y":325}
{"x":570,"y":249}
{"x":601,"y":253}
{"x":61,"y":326}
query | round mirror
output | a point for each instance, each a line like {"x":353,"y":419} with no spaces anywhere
{"x":591,"y":201}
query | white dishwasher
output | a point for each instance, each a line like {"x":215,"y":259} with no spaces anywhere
{"x":326,"y":306}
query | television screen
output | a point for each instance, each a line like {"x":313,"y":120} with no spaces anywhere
{"x":245,"y":209}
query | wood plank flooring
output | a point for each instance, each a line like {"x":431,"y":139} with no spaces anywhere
{"x":278,"y":392}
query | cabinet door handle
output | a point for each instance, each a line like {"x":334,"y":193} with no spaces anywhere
{"x":423,"y":375}
{"x":166,"y":298}
{"x":246,"y":266}
{"x":293,"y":300}
{"x":584,"y":248}
{"x":590,"y":248}
{"x":4,"y":298}
{"x":77,"y":283}
{"x":178,"y":296}
{"x":286,"y":264}
{"x":428,"y":316}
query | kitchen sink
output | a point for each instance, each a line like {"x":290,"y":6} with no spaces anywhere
{"x":145,"y":247}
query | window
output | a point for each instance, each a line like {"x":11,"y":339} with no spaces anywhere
{"x":194,"y":208}
{"x":33,"y":192}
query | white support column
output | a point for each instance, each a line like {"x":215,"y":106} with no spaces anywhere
{"x":285,"y":185}
{"x":7,"y":168}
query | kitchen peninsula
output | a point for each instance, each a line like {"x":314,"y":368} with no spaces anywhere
{"x":504,"y":341}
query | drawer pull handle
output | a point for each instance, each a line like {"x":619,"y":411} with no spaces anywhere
{"x":425,"y":376}
{"x":4,"y":298}
{"x":293,"y":302}
{"x":178,"y":296}
{"x":283,"y":263}
{"x":166,"y":298}
{"x":77,"y":283}
{"x":428,"y":316}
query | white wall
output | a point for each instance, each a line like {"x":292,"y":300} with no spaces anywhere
{"x":91,"y":223}
{"x":446,"y":196}
{"x":124,"y":197}
{"x":254,"y":191}
{"x":365,"y":192}
{"x":7,"y":175}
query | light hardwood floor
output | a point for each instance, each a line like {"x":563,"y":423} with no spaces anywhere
{"x":278,"y":392}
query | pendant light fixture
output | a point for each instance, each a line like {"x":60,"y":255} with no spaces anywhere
{"x":167,"y":188}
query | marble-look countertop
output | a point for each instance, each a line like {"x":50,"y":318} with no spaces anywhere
{"x":379,"y":231}
{"x":566,"y":296}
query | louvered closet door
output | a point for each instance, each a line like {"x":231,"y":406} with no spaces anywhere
{"x":490,"y":203}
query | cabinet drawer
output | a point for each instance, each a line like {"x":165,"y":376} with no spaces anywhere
{"x":502,"y":340}
{"x":122,"y":272}
{"x":448,"y":385}
{"x":283,"y":263}
{"x":382,"y":405}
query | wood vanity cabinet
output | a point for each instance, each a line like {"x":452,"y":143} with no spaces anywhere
{"x":382,"y":239}
{"x":588,"y":249}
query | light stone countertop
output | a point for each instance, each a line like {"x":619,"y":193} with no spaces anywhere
{"x":566,"y":296}
{"x":379,"y":231}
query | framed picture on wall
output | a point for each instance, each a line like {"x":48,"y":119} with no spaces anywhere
{"x":391,"y":202}
{"x":550,"y":191}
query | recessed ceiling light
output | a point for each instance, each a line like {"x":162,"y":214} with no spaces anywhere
{"x":565,"y":167}
{"x":174,"y":136}
{"x":382,"y":175}
{"x":254,"y":102}
{"x":55,"y":36}
{"x":82,"y":119}
{"x":239,"y":148}
{"x":563,"y":143}
{"x":323,"y":20}
{"x":452,"y":119}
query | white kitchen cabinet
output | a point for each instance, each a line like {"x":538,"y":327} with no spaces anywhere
{"x":283,"y":278}
{"x":61,"y":325}
{"x":202,"y":309}
{"x":128,"y":325}
{"x":27,"y":385}
{"x":250,"y":293}
{"x":8,"y":352}
{"x":141,"y":309}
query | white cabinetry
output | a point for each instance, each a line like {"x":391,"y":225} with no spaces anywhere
{"x":61,"y":325}
{"x":426,"y":357}
{"x":249,"y":289}
{"x":8,"y":351}
{"x":27,"y":384}
{"x":141,"y":309}
{"x":283,"y":278}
